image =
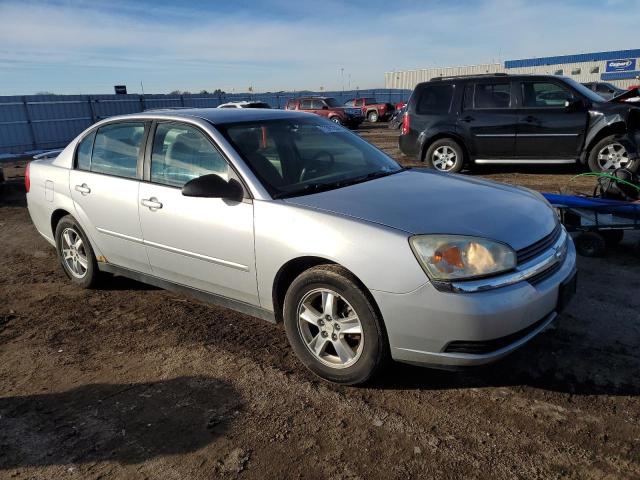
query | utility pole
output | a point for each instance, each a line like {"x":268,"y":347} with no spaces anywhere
{"x":142,"y":87}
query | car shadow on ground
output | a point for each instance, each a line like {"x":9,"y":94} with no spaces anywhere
{"x":554,"y":361}
{"x":126,"y":423}
{"x":114,"y":283}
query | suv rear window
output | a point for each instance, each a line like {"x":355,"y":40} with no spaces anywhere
{"x":435,"y":99}
{"x":492,"y":95}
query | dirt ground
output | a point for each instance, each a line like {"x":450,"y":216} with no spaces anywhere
{"x":128,"y":381}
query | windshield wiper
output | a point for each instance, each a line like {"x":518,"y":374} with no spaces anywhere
{"x":323,"y":187}
{"x":307,"y":189}
{"x":371,"y":176}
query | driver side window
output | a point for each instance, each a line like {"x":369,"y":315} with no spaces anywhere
{"x":545,"y":95}
{"x":181,"y":153}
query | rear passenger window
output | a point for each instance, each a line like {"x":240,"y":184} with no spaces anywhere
{"x":435,"y":99}
{"x":492,"y":95}
{"x":182,"y":153}
{"x":83,"y":155}
{"x":305,"y":105}
{"x":116,"y":149}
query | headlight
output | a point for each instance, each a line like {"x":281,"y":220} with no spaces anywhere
{"x":455,"y":257}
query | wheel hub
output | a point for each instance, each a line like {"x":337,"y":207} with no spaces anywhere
{"x":330,"y":328}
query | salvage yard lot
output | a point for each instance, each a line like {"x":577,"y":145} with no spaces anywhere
{"x":128,"y":381}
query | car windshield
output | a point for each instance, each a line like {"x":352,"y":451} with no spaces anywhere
{"x":584,"y":91}
{"x":332,"y":102}
{"x":299,"y":156}
{"x":369,"y":100}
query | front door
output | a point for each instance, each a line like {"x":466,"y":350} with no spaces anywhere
{"x":488,"y":118}
{"x":204,"y":243}
{"x":547,"y":129}
{"x":104,"y":187}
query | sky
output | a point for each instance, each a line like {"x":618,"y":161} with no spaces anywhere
{"x":88,"y":46}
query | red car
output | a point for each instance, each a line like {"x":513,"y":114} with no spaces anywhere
{"x":372,"y":109}
{"x":327,"y":107}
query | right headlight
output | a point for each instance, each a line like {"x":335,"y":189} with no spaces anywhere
{"x":459,"y":257}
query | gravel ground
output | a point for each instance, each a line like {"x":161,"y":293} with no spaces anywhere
{"x":128,"y":381}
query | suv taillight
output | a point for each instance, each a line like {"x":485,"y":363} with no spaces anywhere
{"x":27,"y":178}
{"x":405,"y":123}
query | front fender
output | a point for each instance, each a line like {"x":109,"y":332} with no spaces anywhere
{"x":379,"y":256}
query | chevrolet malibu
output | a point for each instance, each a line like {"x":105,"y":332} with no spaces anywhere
{"x":288,"y":217}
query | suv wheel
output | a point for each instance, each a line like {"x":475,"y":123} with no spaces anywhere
{"x":445,"y":155}
{"x":372,"y":116}
{"x":609,"y":154}
{"x":333,"y":327}
{"x":336,"y":119}
{"x":75,"y":253}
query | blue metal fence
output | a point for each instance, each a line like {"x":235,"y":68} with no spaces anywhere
{"x":40,"y":122}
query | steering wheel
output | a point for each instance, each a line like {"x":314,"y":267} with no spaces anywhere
{"x":313,"y":168}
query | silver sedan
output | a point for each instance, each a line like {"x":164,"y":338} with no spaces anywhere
{"x":289,"y":217}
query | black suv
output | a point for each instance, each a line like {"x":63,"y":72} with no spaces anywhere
{"x":518,"y":119}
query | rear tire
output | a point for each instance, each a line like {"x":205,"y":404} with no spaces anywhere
{"x":445,"y":155}
{"x":75,"y":253}
{"x":590,"y":244}
{"x":333,"y":327}
{"x":372,"y":116}
{"x":336,"y":120}
{"x":609,"y":154}
{"x":612,"y":237}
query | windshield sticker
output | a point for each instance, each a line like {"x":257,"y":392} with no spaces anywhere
{"x":330,"y":128}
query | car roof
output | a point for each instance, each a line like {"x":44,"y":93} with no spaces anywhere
{"x":492,"y":76}
{"x":223,"y":115}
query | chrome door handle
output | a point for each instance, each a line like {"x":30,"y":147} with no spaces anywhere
{"x":83,"y":189}
{"x":151,"y":203}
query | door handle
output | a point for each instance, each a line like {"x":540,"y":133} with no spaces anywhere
{"x":83,"y":189}
{"x":151,"y":203}
{"x":530,"y":119}
{"x":468,"y":119}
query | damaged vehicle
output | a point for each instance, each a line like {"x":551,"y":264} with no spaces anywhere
{"x":289,"y":217}
{"x":453,"y":122}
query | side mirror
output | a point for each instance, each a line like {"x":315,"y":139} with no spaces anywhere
{"x":213,"y":186}
{"x":575,"y":104}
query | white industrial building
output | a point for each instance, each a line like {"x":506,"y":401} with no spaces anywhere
{"x":620,"y":67}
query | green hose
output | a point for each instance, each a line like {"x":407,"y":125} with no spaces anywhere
{"x":606,"y":175}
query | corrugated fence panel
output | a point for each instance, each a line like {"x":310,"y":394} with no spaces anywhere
{"x":15,"y":130}
{"x":40,"y":122}
{"x":109,"y":105}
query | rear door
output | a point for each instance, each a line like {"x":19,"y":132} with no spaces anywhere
{"x":319,"y":107}
{"x":204,"y":243}
{"x":104,"y":187}
{"x":547,"y":130}
{"x":488,"y":119}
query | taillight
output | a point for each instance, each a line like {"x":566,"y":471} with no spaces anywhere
{"x":27,"y":178}
{"x":405,"y":123}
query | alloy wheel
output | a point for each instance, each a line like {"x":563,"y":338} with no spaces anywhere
{"x":74,"y":254}
{"x":330,"y":328}
{"x":612,"y":157}
{"x":444,"y":158}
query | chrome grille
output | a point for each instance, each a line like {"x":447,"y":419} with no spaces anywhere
{"x":527,"y":253}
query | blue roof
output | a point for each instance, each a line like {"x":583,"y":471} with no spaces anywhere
{"x":580,"y":57}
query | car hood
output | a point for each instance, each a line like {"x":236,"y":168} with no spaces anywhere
{"x":424,"y":201}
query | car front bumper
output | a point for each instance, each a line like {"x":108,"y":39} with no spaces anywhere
{"x":451,"y":330}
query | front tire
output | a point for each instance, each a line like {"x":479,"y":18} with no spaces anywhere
{"x":333,"y":327}
{"x":445,"y":155}
{"x":75,"y":253}
{"x":372,"y":116}
{"x":336,"y":120}
{"x":608,"y":155}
